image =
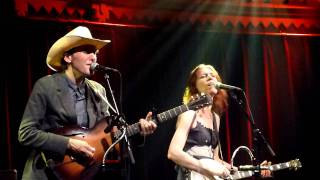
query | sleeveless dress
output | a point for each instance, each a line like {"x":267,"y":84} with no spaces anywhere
{"x":200,"y":142}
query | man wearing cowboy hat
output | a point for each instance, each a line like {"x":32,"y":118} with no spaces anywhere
{"x":63,"y":99}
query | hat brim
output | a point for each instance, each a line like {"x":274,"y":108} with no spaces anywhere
{"x":66,"y":43}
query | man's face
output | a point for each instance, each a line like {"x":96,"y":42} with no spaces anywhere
{"x":81,"y":59}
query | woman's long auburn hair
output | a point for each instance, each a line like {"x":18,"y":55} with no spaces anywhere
{"x":220,"y":100}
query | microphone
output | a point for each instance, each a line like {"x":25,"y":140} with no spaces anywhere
{"x":220,"y":85}
{"x":98,"y":67}
{"x":252,"y":168}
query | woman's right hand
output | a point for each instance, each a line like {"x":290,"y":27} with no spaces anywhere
{"x":214,"y":168}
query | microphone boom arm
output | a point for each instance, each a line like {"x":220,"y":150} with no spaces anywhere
{"x":258,"y":136}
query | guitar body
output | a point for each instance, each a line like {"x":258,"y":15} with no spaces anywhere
{"x":80,"y":167}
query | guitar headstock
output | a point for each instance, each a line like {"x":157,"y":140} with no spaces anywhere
{"x":295,"y":164}
{"x":199,"y":101}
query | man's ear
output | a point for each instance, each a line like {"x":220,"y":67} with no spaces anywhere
{"x":67,"y":58}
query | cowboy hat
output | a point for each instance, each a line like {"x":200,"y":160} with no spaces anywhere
{"x":77,"y":37}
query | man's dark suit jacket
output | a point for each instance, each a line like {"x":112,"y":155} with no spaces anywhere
{"x":50,"y":106}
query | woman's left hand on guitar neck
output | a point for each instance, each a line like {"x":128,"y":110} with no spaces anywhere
{"x":266,"y":173}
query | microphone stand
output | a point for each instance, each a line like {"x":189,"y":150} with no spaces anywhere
{"x":106,"y":77}
{"x":258,"y":137}
{"x":121,"y":122}
{"x":120,"y":117}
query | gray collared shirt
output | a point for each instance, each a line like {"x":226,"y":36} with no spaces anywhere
{"x":80,"y":102}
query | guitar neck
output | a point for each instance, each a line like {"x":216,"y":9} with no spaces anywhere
{"x":280,"y":166}
{"x":162,"y":117}
{"x":172,"y":113}
{"x":245,"y":174}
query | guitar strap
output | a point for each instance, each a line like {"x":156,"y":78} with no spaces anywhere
{"x":214,"y":121}
{"x":193,"y":118}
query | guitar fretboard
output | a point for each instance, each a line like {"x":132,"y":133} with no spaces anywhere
{"x":172,"y":113}
{"x":162,"y":117}
{"x":280,"y":166}
{"x":275,"y":167}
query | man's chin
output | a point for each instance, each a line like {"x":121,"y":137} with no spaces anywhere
{"x":91,"y":73}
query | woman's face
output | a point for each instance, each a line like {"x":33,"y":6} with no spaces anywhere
{"x":206,"y":78}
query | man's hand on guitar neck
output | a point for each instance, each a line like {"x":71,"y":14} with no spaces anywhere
{"x":147,"y":125}
{"x":80,"y":147}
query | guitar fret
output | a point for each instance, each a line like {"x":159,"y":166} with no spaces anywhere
{"x":129,"y":131}
{"x":137,"y":127}
{"x":175,"y":113}
{"x":185,"y":108}
{"x":167,"y":114}
{"x":285,"y":165}
{"x":279,"y":166}
{"x":170,"y":114}
{"x":159,"y":117}
{"x":134,"y":129}
{"x":163,"y":117}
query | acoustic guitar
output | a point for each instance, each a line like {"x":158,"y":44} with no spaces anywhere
{"x":79,"y":167}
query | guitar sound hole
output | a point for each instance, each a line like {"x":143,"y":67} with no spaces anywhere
{"x":81,"y":159}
